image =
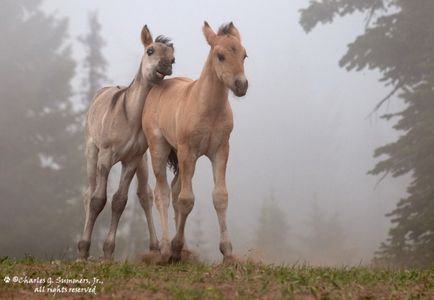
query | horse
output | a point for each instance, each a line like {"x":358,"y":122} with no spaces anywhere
{"x":114,"y":133}
{"x":184,"y":120}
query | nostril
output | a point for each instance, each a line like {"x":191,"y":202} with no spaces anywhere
{"x":164,"y":64}
{"x":241,"y":84}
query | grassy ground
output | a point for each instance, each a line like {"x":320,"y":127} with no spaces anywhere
{"x":201,"y":281}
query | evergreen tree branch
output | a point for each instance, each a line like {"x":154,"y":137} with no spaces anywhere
{"x":382,"y":101}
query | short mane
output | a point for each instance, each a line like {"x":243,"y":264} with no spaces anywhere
{"x":224,"y":29}
{"x":117,"y":95}
{"x":164,"y":40}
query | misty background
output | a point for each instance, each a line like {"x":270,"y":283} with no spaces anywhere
{"x":302,"y":144}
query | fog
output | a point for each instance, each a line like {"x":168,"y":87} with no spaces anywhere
{"x":303,"y":136}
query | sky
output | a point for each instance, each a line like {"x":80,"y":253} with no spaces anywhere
{"x":302,"y":132}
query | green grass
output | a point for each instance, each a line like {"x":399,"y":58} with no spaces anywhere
{"x":201,"y":281}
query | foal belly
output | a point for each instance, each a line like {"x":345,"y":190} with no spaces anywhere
{"x":131,"y":148}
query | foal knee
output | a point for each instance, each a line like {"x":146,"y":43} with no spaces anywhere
{"x":97,"y":204}
{"x":118,"y":203}
{"x":145,"y":198}
{"x":185,"y":202}
{"x":220,"y":199}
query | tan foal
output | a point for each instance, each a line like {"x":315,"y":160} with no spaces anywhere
{"x":194,"y":118}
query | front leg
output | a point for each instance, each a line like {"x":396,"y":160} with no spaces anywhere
{"x":220,"y":198}
{"x":160,"y":150}
{"x":146,"y":200}
{"x":119,"y":202}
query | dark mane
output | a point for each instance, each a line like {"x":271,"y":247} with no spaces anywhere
{"x":164,"y":40}
{"x":224,"y":29}
{"x":117,"y":95}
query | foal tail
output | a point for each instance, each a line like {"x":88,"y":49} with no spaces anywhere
{"x":172,"y":162}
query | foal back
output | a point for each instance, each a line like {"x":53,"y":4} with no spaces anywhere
{"x":107,"y":122}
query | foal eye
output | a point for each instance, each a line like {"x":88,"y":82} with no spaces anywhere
{"x":220,"y":56}
{"x":150,"y":51}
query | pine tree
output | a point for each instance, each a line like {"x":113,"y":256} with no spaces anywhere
{"x":39,"y":182}
{"x":95,"y":65}
{"x":398,"y":41}
{"x":272,"y":232}
{"x":196,"y":240}
{"x":325,"y":242}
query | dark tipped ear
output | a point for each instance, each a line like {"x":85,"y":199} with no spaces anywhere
{"x":208,"y":33}
{"x":146,"y":36}
{"x":234,"y":31}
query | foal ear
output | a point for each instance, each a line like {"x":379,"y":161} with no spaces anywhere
{"x":146,"y":36}
{"x":208,"y":33}
{"x":232,"y":30}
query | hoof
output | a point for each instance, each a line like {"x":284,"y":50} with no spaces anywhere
{"x":186,"y":254}
{"x":165,"y":258}
{"x":151,"y":257}
{"x":166,"y":252}
{"x":230,"y":260}
{"x":83,"y":249}
{"x":174,"y":259}
{"x":107,"y":259}
{"x":154,"y":248}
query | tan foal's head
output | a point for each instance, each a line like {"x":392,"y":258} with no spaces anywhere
{"x":228,"y":56}
{"x":158,"y":57}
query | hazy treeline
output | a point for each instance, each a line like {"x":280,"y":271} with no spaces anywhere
{"x":41,"y":159}
{"x":42,"y":167}
{"x":398,"y":41}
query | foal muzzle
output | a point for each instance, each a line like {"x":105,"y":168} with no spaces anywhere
{"x":240,"y":86}
{"x":165,"y":67}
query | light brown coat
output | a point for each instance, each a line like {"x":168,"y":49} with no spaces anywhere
{"x":194,"y":118}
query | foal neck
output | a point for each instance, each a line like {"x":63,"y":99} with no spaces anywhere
{"x":212,"y":92}
{"x":135,"y":97}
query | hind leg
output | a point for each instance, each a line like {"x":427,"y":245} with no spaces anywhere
{"x":119,"y":202}
{"x":97,"y":201}
{"x":176,"y":189}
{"x":146,"y":200}
{"x":91,"y":163}
{"x":91,"y":166}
